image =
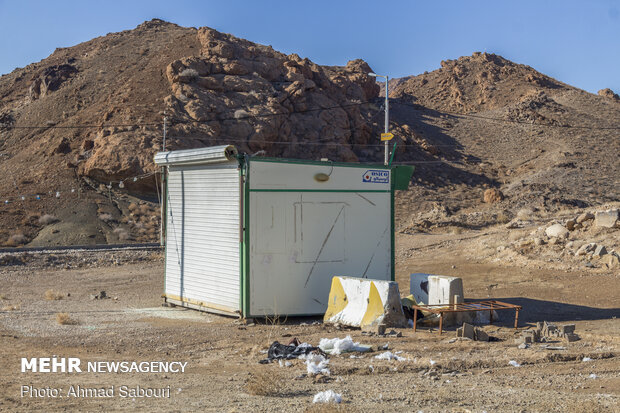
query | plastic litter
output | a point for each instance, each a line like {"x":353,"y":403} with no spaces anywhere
{"x":388,"y":355}
{"x":327,"y":396}
{"x":514,"y":363}
{"x":316,"y":364}
{"x":593,"y":376}
{"x":586,"y":359}
{"x":335,"y":346}
{"x":293,"y":350}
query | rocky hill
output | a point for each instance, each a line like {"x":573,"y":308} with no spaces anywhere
{"x":76,"y":124}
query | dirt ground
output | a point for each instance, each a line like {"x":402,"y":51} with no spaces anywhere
{"x":222,"y":354}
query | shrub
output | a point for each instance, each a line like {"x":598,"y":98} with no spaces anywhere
{"x":106,"y":217}
{"x":65,"y":319}
{"x":264,"y":383}
{"x":53,"y":295}
{"x":133,"y":206}
{"x":17,"y":239}
{"x":121,"y":233}
{"x":47,"y":219}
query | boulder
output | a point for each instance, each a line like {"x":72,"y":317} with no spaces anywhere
{"x":609,"y":94}
{"x":586,"y":248}
{"x":606,"y":219}
{"x":556,"y":230}
{"x":586,"y":216}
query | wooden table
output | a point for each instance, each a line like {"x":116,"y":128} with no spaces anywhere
{"x":467,"y":306}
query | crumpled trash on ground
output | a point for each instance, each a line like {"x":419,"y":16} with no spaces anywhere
{"x":293,"y":350}
{"x":316,"y":364}
{"x":327,"y":396}
{"x":336,"y":346}
{"x":388,"y":355}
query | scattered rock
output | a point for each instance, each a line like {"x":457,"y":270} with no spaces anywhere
{"x":470,"y":332}
{"x":611,"y":260}
{"x":606,"y":219}
{"x":586,"y":216}
{"x":586,"y":248}
{"x":600,"y":251}
{"x":493,"y":195}
{"x":570,"y":225}
{"x":608,"y":93}
{"x":556,"y":230}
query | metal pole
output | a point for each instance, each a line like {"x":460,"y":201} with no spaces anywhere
{"x":162,"y":205}
{"x":163,"y":149}
{"x":387,"y":118}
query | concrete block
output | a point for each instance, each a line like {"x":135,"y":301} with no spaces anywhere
{"x":459,"y":332}
{"x":481,"y":335}
{"x":418,"y":287}
{"x":378,"y":329}
{"x":362,"y":302}
{"x":442,"y":289}
{"x":606,"y":219}
{"x":528,"y":339}
{"x":469,"y":331}
{"x":570,"y":337}
{"x":567,"y":328}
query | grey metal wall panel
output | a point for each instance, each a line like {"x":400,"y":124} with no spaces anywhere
{"x":304,"y":232}
{"x":202,"y":250}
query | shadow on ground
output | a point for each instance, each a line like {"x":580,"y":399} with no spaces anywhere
{"x":542,"y":310}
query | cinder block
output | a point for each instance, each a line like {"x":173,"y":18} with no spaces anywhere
{"x":481,"y":335}
{"x":570,"y":337}
{"x":567,"y":329}
{"x":469,"y":331}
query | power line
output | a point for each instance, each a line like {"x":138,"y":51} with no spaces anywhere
{"x":179,"y":121}
{"x":469,"y":115}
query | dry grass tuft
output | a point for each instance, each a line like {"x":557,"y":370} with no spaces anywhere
{"x":502,"y":218}
{"x":11,"y":307}
{"x":265,"y":383}
{"x":106,"y":217}
{"x":121,"y":233}
{"x":53,"y":295}
{"x":65,"y":319}
{"x":17,"y":239}
{"x":47,"y":219}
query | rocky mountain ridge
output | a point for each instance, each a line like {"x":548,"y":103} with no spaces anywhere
{"x":91,"y":116}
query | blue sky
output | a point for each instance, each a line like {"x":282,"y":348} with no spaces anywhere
{"x":577,"y":42}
